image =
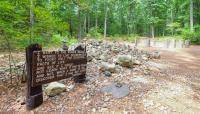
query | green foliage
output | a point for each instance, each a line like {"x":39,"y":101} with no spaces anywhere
{"x":126,"y":19}
{"x":72,"y":41}
{"x":55,"y":41}
{"x":194,"y":37}
{"x":129,"y":38}
{"x":94,"y":33}
{"x":174,"y":27}
{"x":163,"y":38}
{"x":132,"y":37}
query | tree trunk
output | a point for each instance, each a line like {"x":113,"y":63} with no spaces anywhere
{"x":152,"y":31}
{"x":79,"y":24}
{"x":172,"y":20}
{"x":31,"y":20}
{"x":105,"y":20}
{"x":163,"y":32}
{"x":96,"y":21}
{"x":70,"y":28}
{"x":191,"y":16}
{"x":88,"y":22}
{"x":85,"y":24}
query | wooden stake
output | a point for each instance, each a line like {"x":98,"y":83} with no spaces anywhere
{"x":34,"y":96}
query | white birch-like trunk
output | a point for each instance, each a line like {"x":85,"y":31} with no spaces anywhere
{"x":191,"y":17}
{"x":105,"y":20}
{"x":152,"y":31}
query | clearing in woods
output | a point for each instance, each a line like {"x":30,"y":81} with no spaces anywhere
{"x":174,"y":87}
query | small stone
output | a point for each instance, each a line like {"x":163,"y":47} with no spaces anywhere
{"x":145,"y":57}
{"x":103,"y":57}
{"x":147,"y":72}
{"x":162,"y":108}
{"x":86,"y":97}
{"x":103,"y":109}
{"x":23,"y":103}
{"x":136,"y":62}
{"x":20,"y":64}
{"x":89,"y":58}
{"x":140,"y":80}
{"x":71,"y":87}
{"x":19,"y":99}
{"x":107,"y":99}
{"x":94,"y":110}
{"x":107,"y":73}
{"x":104,"y":105}
{"x":115,"y":50}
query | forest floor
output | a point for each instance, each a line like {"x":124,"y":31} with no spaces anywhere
{"x":171,"y":87}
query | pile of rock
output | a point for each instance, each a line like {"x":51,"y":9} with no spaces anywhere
{"x":109,"y":57}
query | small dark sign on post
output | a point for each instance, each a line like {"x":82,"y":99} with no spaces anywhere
{"x":48,"y":66}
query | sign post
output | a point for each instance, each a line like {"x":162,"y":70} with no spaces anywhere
{"x":34,"y":96}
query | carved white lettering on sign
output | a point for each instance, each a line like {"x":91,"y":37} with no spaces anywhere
{"x":57,"y":65}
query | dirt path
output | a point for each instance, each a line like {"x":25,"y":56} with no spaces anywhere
{"x":179,"y":89}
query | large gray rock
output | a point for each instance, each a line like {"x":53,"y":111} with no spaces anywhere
{"x":155,"y":55}
{"x":117,"y":90}
{"x":127,"y":61}
{"x":54,"y":89}
{"x":92,"y":54}
{"x":124,"y":60}
{"x":108,"y":67}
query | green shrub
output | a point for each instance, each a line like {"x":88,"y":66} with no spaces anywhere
{"x":132,"y":37}
{"x":94,"y":33}
{"x":57,"y":40}
{"x":71,"y":41}
{"x":194,"y":37}
{"x":163,"y":38}
{"x":22,"y":43}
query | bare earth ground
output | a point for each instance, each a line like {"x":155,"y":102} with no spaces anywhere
{"x":170,"y":85}
{"x":179,"y":91}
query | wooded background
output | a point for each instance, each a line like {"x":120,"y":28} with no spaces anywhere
{"x":48,"y":21}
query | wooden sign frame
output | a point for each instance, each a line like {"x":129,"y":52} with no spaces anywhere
{"x":44,"y":67}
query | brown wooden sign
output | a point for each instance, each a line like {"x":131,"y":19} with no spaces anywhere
{"x":57,"y":65}
{"x":45,"y":66}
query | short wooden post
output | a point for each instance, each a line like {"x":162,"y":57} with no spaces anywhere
{"x":34,"y":96}
{"x":148,"y":42}
{"x":187,"y":43}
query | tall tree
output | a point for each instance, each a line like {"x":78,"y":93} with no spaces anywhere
{"x":191,"y":16}
{"x":105,"y":18}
